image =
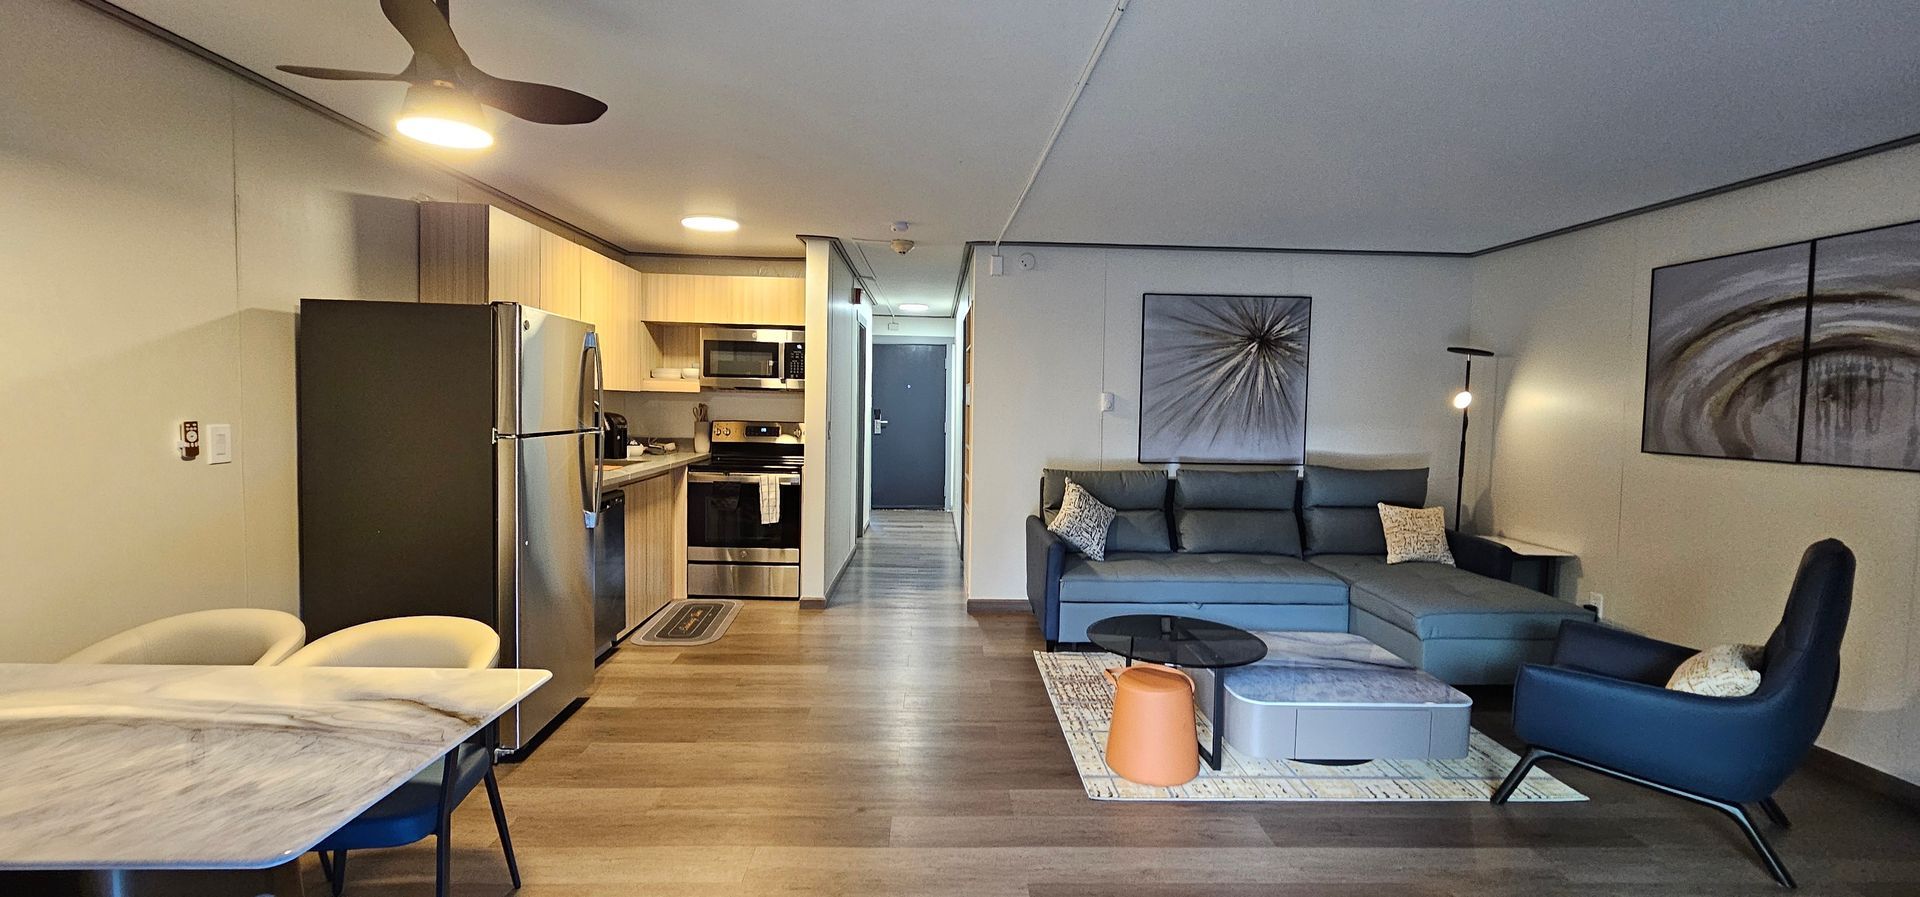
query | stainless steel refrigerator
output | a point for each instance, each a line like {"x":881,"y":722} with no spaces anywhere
{"x":450,"y":464}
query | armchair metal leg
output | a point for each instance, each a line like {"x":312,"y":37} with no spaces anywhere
{"x":1775,"y":867}
{"x":1518,"y":775}
{"x":336,"y":872}
{"x":1776,"y":814}
{"x":500,"y":822}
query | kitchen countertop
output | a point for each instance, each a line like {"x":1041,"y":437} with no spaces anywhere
{"x":651,"y":466}
{"x":177,"y":767}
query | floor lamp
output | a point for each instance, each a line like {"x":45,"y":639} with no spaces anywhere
{"x":1462,"y":400}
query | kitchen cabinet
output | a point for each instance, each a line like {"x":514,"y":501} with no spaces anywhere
{"x":723,"y":299}
{"x":513,"y":257}
{"x":560,"y":260}
{"x":656,"y":544}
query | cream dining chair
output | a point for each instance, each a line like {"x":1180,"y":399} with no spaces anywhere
{"x":423,"y":805}
{"x":232,"y":636}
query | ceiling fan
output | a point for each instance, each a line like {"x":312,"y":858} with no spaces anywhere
{"x":446,"y":89}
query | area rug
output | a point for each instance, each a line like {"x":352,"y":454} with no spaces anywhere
{"x":696,"y":621}
{"x":1083,"y":702}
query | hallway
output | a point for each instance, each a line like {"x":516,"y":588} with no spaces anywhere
{"x":895,"y":745}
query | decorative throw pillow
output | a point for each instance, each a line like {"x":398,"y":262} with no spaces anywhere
{"x":1082,"y":521}
{"x":1415,"y":534}
{"x":1722,"y":671}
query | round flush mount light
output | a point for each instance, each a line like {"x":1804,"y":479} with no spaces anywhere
{"x":713,"y":224}
{"x":443,"y":116}
{"x":913,"y":306}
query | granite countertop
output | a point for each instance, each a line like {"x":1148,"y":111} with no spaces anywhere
{"x":650,"y":466}
{"x":176,"y":767}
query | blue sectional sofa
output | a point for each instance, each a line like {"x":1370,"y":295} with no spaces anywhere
{"x":1278,"y":550}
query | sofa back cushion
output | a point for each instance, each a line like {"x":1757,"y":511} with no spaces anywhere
{"x":1340,"y":507}
{"x":1139,"y":498}
{"x":1232,"y":512}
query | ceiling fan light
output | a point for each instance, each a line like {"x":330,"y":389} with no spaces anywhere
{"x":713,"y":224}
{"x":443,"y":116}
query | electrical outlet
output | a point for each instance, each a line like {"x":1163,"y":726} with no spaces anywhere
{"x":1597,"y":603}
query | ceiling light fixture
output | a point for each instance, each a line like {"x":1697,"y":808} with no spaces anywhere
{"x":443,"y":115}
{"x":913,"y":306}
{"x":713,"y":224}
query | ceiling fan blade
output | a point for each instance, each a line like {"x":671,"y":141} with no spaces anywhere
{"x":542,"y":103}
{"x":327,"y":74}
{"x":426,"y":30}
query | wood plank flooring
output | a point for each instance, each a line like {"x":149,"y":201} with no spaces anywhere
{"x":894,"y":745}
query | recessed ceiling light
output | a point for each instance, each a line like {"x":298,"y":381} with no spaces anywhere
{"x":713,"y":224}
{"x":913,"y":306}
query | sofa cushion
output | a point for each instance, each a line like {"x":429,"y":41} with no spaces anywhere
{"x":1340,"y":507}
{"x":1148,"y":578}
{"x":1207,"y":531}
{"x":1265,"y":490}
{"x":1122,"y":490}
{"x":1438,"y":601}
{"x":1139,"y":531}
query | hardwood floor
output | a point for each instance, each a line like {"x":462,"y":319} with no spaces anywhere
{"x":894,"y":745}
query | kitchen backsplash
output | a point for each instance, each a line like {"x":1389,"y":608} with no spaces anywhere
{"x":671,"y":414}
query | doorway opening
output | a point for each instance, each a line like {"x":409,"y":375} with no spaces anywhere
{"x":910,"y":428}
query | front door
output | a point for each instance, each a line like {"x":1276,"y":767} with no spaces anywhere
{"x":909,"y":425}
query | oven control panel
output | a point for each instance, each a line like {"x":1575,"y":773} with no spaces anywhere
{"x":762,"y":431}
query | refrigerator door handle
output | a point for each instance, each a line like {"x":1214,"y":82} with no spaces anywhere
{"x":593,"y":484}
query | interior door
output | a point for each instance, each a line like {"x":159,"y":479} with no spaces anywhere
{"x":909,"y":425}
{"x":552,"y":623}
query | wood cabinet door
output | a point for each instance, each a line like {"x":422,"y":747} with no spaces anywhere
{"x":656,"y":544}
{"x":627,"y":359}
{"x":723,"y":299}
{"x":560,"y":274}
{"x":513,"y":259}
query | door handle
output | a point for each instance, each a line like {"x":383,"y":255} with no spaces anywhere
{"x":592,"y":483}
{"x":879,"y":423}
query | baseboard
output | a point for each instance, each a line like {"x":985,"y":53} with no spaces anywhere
{"x":1860,"y":775}
{"x":813,"y":604}
{"x":998,"y":606}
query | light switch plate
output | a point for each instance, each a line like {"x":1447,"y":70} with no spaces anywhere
{"x":1106,"y":401}
{"x":219,"y":443}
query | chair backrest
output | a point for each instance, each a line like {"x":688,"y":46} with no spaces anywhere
{"x":1138,"y":497}
{"x":1340,"y":507}
{"x":231,"y":636}
{"x":1800,"y":667}
{"x":429,"y":642}
{"x":1237,"y":512}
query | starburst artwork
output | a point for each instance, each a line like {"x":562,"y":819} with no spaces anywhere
{"x":1223,"y":379}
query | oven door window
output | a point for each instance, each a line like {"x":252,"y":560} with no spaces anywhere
{"x":727,"y":515}
{"x":740,"y":358}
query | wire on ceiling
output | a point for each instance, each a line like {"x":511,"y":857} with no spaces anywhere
{"x":1079,"y":86}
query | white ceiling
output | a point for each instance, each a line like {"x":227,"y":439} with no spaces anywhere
{"x":1444,"y":125}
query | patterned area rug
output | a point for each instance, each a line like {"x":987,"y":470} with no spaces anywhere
{"x":696,"y":621}
{"x":1083,"y":702}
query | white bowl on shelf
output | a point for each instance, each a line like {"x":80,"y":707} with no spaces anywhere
{"x":690,"y":373}
{"x":665,"y":373}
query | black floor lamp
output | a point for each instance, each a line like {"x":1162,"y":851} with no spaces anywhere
{"x":1462,"y":400}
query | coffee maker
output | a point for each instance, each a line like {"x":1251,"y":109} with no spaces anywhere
{"x":613,"y":435}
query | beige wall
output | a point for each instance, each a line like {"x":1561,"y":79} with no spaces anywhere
{"x":1050,"y":340}
{"x":1694,"y":550}
{"x":162,"y":218}
{"x":830,"y":520}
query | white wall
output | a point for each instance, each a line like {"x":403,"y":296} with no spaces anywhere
{"x":1692,"y":550}
{"x":830,"y":521}
{"x":1050,"y":340}
{"x":163,"y":218}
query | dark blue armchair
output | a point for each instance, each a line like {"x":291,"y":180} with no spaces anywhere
{"x":1602,"y":704}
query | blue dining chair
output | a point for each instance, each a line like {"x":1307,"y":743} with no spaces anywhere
{"x":424,"y":804}
{"x":1601,"y":704}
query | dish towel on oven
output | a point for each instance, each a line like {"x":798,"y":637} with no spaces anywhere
{"x":769,"y":499}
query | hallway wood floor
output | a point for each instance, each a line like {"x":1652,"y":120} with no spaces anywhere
{"x":892,"y":744}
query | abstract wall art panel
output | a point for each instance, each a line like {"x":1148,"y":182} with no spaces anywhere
{"x":1863,"y":353}
{"x":1223,"y":379}
{"x":1805,"y":353}
{"x":1723,"y":356}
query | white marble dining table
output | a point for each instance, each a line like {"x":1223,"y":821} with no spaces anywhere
{"x":217,"y":768}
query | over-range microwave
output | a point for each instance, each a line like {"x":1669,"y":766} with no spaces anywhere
{"x":741,"y":358}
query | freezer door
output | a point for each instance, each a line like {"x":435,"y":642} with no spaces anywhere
{"x":547,"y":372}
{"x":547,"y":619}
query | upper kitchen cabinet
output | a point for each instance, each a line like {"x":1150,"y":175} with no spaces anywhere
{"x":560,"y":261}
{"x":513,"y":255}
{"x":723,"y":299}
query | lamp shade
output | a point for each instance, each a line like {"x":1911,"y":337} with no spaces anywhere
{"x":443,"y":116}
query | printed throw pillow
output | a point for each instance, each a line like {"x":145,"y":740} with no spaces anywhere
{"x":1722,"y":671}
{"x":1082,"y":521}
{"x":1415,"y":534}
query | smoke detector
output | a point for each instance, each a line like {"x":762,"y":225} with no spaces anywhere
{"x":902,"y":246}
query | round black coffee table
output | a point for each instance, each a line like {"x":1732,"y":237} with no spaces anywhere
{"x":1183,"y":642}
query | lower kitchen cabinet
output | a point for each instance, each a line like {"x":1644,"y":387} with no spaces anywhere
{"x":656,"y":543}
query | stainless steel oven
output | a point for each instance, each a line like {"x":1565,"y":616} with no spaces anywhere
{"x":743,"y":512}
{"x":740,"y":358}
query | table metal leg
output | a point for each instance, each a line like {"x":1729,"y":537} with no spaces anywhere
{"x":1218,"y":721}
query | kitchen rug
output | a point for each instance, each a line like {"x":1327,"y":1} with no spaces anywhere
{"x":696,"y":621}
{"x":1083,"y":702}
